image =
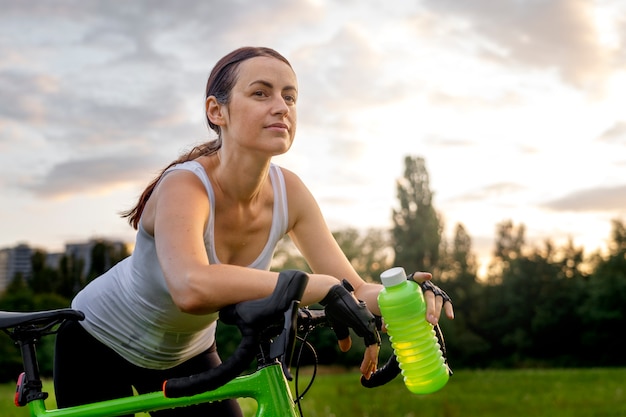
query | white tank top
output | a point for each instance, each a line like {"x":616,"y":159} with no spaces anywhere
{"x":129,"y":308}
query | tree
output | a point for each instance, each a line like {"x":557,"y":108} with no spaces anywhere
{"x":369,"y":253}
{"x":529,"y":314}
{"x":459,"y":272}
{"x":44,"y":278}
{"x":604,"y":309}
{"x":104,"y":255}
{"x":555,"y":325}
{"x":417,"y":228}
{"x":509,"y":244}
{"x":70,"y":276}
{"x":502,"y":315}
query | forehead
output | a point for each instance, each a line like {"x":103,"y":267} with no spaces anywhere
{"x":267,"y":69}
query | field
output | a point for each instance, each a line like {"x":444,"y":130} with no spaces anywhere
{"x":519,"y":393}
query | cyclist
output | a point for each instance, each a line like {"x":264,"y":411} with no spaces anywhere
{"x":207,"y":227}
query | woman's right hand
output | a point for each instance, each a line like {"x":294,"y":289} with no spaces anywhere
{"x":344,"y":311}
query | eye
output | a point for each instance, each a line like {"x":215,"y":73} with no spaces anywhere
{"x":290,"y":98}
{"x":259,"y":93}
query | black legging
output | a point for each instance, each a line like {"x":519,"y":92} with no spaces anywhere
{"x":87,"y":371}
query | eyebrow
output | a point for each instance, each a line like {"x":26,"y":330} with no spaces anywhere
{"x":270,"y":85}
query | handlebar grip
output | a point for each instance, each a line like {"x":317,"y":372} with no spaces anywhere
{"x":254,"y":318}
{"x":215,"y":377}
{"x":391,"y":369}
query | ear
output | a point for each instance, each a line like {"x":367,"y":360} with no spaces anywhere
{"x":215,"y":111}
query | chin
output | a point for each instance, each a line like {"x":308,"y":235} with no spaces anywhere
{"x":281,"y":148}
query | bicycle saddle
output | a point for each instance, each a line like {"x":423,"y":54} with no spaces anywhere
{"x":9,"y":319}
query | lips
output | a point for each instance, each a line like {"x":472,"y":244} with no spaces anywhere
{"x":278,"y":126}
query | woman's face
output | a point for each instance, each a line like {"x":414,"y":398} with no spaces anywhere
{"x":261,"y":114}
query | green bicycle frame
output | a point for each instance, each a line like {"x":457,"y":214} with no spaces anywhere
{"x":267,"y":385}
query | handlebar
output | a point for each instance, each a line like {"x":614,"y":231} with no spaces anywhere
{"x":256,"y":320}
{"x":260,"y":322}
{"x":310,"y":319}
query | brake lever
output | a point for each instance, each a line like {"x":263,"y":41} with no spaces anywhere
{"x":282,"y":348}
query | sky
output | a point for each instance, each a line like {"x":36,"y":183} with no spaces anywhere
{"x":518,"y":108}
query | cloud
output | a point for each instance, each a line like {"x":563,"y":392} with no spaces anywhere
{"x":592,"y":199}
{"x":23,"y":95}
{"x":474,"y":103}
{"x":445,"y":142}
{"x":615,"y":134}
{"x":558,"y":35}
{"x":91,"y":176}
{"x":90,"y":84}
{"x":114,"y":71}
{"x":490,"y":191}
{"x":344,"y":72}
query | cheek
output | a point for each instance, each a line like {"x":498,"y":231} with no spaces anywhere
{"x":294,"y":123}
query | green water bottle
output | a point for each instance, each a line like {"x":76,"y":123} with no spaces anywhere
{"x":413,"y":338}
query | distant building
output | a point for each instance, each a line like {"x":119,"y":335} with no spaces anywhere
{"x":4,"y":269}
{"x":82,"y":252}
{"x":14,"y":261}
{"x":18,"y":259}
{"x":53,"y":260}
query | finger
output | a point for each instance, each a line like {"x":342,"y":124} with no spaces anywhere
{"x":438,"y":304}
{"x":383,"y":328}
{"x":367,"y":368}
{"x":345,"y":344}
{"x":370,"y":361}
{"x":432,"y":313}
{"x":371,"y":355}
{"x":449,"y":309}
{"x":422,"y":276}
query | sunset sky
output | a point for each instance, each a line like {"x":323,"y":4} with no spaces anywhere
{"x":518,"y":108}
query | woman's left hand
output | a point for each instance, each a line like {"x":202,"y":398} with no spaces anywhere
{"x":436,"y":299}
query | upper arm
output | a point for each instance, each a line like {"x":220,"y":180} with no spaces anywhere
{"x":180,"y":213}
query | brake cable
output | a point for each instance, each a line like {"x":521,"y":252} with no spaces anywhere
{"x":311,"y":348}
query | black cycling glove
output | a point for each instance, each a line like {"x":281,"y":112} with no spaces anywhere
{"x":429,"y":286}
{"x":343,"y":311}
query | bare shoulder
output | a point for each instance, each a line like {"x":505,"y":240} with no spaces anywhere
{"x":289,"y":175}
{"x":175,"y":187}
{"x":293,"y":182}
{"x":299,"y":196}
{"x":303,"y":206}
{"x":181,"y":185}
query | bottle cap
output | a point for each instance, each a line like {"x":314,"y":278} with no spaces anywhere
{"x":393,"y":276}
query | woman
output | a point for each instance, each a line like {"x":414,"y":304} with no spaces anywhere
{"x":207,"y":228}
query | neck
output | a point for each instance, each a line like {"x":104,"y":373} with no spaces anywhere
{"x":241,"y":177}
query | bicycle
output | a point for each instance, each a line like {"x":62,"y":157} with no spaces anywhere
{"x":269,"y":329}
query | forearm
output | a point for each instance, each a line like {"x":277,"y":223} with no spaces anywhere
{"x":210,"y":288}
{"x":206,"y":289}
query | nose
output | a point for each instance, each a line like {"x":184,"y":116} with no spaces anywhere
{"x":280,"y":106}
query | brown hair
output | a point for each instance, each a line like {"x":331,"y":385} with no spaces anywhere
{"x":220,"y":84}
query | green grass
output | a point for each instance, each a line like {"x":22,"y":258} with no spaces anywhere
{"x":519,"y":393}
